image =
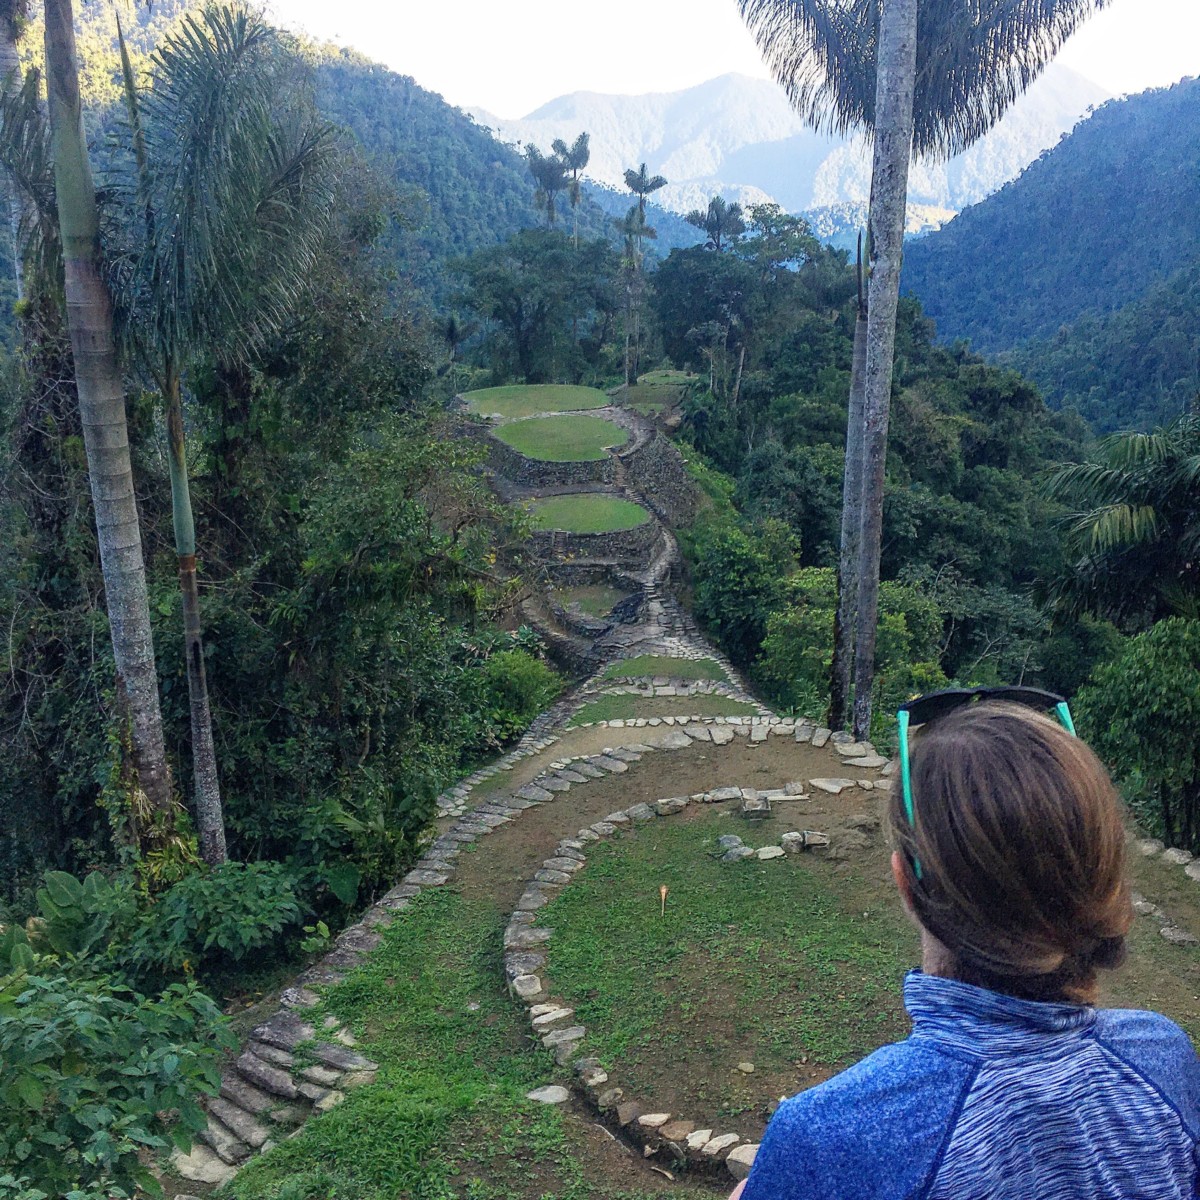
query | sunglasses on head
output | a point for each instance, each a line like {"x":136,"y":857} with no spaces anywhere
{"x":924,"y":710}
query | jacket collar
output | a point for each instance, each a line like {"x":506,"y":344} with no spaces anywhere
{"x":985,"y":1023}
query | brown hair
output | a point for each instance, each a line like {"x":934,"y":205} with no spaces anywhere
{"x":1019,"y":834}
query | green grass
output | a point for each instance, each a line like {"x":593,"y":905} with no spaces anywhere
{"x":564,"y":438}
{"x":674,"y":668}
{"x":527,"y":400}
{"x":587,"y":512}
{"x":625,"y":708}
{"x":594,"y":599}
{"x":781,"y":963}
{"x":447,"y":1118}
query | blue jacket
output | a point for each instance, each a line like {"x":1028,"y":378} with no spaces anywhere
{"x":997,"y":1098}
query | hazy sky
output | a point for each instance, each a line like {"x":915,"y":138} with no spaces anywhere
{"x":510,"y":56}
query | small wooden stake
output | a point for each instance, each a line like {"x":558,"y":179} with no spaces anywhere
{"x":662,"y":893}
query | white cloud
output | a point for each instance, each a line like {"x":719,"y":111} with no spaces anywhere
{"x":510,"y":56}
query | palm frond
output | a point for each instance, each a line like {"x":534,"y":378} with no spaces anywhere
{"x":26,"y":156}
{"x":1116,"y":526}
{"x":973,"y":60}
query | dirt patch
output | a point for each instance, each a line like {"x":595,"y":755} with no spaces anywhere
{"x":500,"y":864}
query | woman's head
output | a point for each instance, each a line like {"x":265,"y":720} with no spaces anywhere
{"x":1018,"y":831}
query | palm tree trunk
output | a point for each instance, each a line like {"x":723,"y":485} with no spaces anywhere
{"x":852,"y":511}
{"x":895,"y":83}
{"x":210,"y":818}
{"x":10,"y":82}
{"x":102,"y":411}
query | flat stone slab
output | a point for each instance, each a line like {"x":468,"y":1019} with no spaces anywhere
{"x":641,"y":812}
{"x":538,"y":795}
{"x":202,"y":1166}
{"x":852,"y":749}
{"x":715,"y":1147}
{"x":721,"y":735}
{"x":725,"y":793}
{"x":737,"y":853}
{"x":557,"y":1037}
{"x":673,"y":739}
{"x":528,"y":987}
{"x":1177,"y":936}
{"x":866,"y":762}
{"x":552,"y":1094}
{"x":562,"y":863}
{"x":1177,"y":857}
{"x":614,"y":766}
{"x":698,"y":733}
{"x":821,"y":736}
{"x":698,"y":1138}
{"x":741,"y":1159}
{"x":553,"y":783}
{"x":833,"y":786}
{"x":1149,"y":847}
{"x":769,"y":852}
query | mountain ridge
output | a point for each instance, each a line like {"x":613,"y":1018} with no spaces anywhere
{"x":738,"y":136}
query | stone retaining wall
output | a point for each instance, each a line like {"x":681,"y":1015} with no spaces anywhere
{"x":656,"y":469}
{"x":539,"y":473}
{"x":624,"y":545}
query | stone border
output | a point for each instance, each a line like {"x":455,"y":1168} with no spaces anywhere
{"x":1153,"y":848}
{"x":553,"y":1021}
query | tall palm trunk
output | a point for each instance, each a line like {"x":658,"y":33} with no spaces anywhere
{"x":10,"y":83}
{"x":895,"y":84}
{"x":102,"y":411}
{"x":852,"y":512}
{"x":210,"y":818}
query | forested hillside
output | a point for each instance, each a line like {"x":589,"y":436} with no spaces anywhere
{"x":1089,"y":228}
{"x":1131,"y":369}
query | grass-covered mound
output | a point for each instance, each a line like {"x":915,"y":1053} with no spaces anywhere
{"x":791,"y":965}
{"x":625,"y":708}
{"x":527,"y":400}
{"x":447,"y":1118}
{"x":593,"y":599}
{"x":563,"y":438}
{"x":587,"y":512}
{"x":672,"y":668}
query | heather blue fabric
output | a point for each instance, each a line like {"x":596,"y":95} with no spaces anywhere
{"x":994,"y":1098}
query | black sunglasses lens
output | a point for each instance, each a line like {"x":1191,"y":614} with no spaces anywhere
{"x":929,"y":708}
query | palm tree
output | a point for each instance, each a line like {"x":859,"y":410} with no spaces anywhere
{"x":550,"y":175}
{"x":230,"y":201}
{"x":102,"y":410}
{"x":723,"y":222}
{"x":12,"y":13}
{"x":928,"y":76}
{"x":852,"y":497}
{"x":574,"y":158}
{"x":1134,"y":529}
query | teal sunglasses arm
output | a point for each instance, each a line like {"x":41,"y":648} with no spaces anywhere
{"x":1064,"y":715}
{"x":906,"y":781}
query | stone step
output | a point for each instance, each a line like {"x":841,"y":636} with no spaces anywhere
{"x":229,"y":1147}
{"x":246,"y":1096}
{"x":267,"y":1077}
{"x":240,"y":1123}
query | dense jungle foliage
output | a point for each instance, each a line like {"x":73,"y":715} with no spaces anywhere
{"x":1085,"y":266}
{"x":359,"y":578}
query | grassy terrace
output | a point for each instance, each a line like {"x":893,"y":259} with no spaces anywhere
{"x":587,"y":512}
{"x":447,"y":1119}
{"x":594,"y":599}
{"x":563,"y":438}
{"x":791,"y":965}
{"x":674,"y":668}
{"x":625,"y":708}
{"x":527,"y":400}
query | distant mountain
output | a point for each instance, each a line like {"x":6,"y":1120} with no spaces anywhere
{"x":740,"y":137}
{"x":475,"y":191}
{"x":1087,"y":267}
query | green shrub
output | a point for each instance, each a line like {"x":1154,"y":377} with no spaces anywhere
{"x":797,"y":651}
{"x":215,"y":918}
{"x":92,"y":1076}
{"x":514,"y":688}
{"x":1141,"y":713}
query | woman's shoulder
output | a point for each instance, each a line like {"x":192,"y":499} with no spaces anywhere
{"x":1159,"y":1051}
{"x":873,"y":1130}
